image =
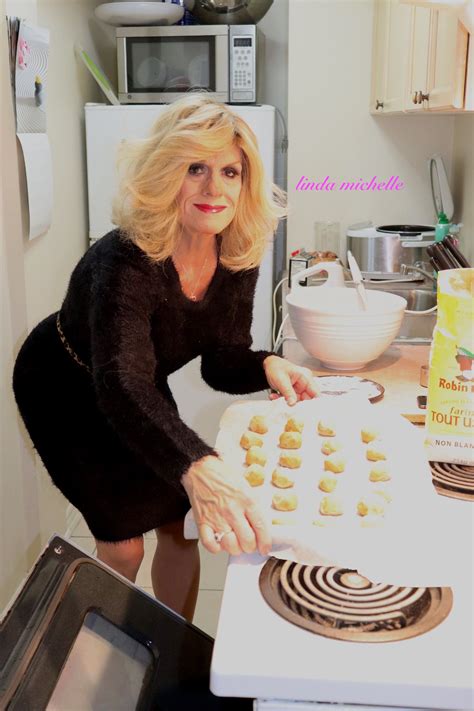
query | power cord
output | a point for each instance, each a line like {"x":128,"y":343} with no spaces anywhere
{"x":280,"y":339}
{"x":284,"y":140}
{"x":274,"y":323}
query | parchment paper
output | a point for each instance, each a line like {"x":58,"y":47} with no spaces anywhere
{"x":412,"y":544}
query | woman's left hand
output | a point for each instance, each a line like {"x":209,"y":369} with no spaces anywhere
{"x":293,"y":382}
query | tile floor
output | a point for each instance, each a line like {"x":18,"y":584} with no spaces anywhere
{"x":213,"y":569}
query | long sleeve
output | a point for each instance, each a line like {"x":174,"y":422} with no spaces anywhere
{"x":231,"y":366}
{"x":125,"y":370}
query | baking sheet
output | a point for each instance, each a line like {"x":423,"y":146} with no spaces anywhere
{"x":403,"y":547}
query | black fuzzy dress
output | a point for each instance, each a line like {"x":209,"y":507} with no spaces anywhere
{"x":110,"y":434}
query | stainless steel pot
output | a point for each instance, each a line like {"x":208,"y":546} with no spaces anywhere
{"x":383,"y":250}
{"x":228,"y":12}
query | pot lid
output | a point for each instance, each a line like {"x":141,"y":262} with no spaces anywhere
{"x":442,"y":198}
{"x":405,"y":230}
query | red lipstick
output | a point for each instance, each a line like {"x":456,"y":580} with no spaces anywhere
{"x":212,"y":209}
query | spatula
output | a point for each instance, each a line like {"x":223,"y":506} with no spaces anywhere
{"x":357,"y":278}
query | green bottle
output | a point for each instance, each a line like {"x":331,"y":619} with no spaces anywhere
{"x":442,"y":228}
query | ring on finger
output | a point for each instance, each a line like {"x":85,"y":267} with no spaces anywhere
{"x":219,"y":535}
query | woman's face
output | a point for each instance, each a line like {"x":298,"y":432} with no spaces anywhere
{"x":210,"y":193}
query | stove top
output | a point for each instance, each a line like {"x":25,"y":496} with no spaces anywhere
{"x":454,"y":480}
{"x":342,"y":604}
{"x":260,"y":654}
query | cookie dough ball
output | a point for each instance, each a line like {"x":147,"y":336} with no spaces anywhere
{"x":375,"y":452}
{"x":372,"y":504}
{"x":283,"y":521}
{"x":256,"y":455}
{"x":290,"y":440}
{"x":326,"y":428}
{"x":291,"y":461}
{"x":294,"y":425}
{"x":368,"y":434}
{"x":330,"y":506}
{"x":258,"y":424}
{"x":250,"y":439}
{"x":327,"y":483}
{"x":379,"y":472}
{"x":284,"y":502}
{"x":334,"y":463}
{"x":255,"y":475}
{"x":281,"y":480}
{"x":330,"y":446}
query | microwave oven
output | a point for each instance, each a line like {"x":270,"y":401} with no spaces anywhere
{"x":160,"y":64}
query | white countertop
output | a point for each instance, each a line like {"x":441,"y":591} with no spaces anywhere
{"x":398,"y":370}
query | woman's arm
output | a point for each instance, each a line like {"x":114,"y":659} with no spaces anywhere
{"x":234,"y":368}
{"x":124,"y":368}
{"x":231,"y":366}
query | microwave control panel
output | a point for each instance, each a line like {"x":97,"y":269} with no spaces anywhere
{"x":242,"y":68}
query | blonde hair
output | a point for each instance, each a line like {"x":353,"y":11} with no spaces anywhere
{"x":193,"y":129}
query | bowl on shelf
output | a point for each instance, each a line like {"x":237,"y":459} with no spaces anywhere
{"x":331,"y":325}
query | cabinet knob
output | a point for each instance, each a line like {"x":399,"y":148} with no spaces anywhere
{"x":418,"y":97}
{"x":378,"y":104}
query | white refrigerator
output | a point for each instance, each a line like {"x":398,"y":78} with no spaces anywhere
{"x":106,"y":127}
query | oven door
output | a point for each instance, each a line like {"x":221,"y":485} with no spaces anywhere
{"x":81,"y":638}
{"x":160,"y":64}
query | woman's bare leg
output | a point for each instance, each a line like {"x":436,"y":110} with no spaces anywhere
{"x":124,"y":557}
{"x":175,"y":570}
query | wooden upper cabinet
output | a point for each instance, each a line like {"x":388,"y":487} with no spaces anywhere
{"x":419,"y":59}
{"x":390,"y":55}
{"x":417,"y":76}
{"x":448,"y":61}
{"x":379,"y":60}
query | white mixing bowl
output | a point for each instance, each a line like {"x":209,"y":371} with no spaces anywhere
{"x":330,"y":325}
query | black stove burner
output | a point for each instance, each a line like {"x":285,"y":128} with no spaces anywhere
{"x":342,"y":604}
{"x":454,"y":480}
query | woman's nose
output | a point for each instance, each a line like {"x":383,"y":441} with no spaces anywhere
{"x":213,"y":184}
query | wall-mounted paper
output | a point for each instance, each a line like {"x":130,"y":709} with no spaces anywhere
{"x":39,"y":178}
{"x":29,"y":48}
{"x":30,"y":78}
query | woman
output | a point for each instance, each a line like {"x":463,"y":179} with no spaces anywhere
{"x":175,"y":281}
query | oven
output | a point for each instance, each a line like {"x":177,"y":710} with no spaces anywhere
{"x":80,"y":637}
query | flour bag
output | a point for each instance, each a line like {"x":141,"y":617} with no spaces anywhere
{"x":450,"y":410}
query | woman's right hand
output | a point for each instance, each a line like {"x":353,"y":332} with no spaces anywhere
{"x":221,"y":506}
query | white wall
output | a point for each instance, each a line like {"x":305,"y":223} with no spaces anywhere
{"x":275,"y":92}
{"x":49,"y":259}
{"x":35,"y":274}
{"x":19,"y":509}
{"x":463,"y":181}
{"x":332,"y":133}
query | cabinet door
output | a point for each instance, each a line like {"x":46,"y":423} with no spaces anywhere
{"x":447,"y":61}
{"x":390,"y":54}
{"x":379,"y":55}
{"x":417,"y":83}
{"x":397,"y":55}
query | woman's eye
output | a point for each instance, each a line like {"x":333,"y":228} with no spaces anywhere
{"x":196,"y":169}
{"x":232,"y":173}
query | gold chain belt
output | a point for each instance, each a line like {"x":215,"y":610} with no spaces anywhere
{"x":66,"y":345}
